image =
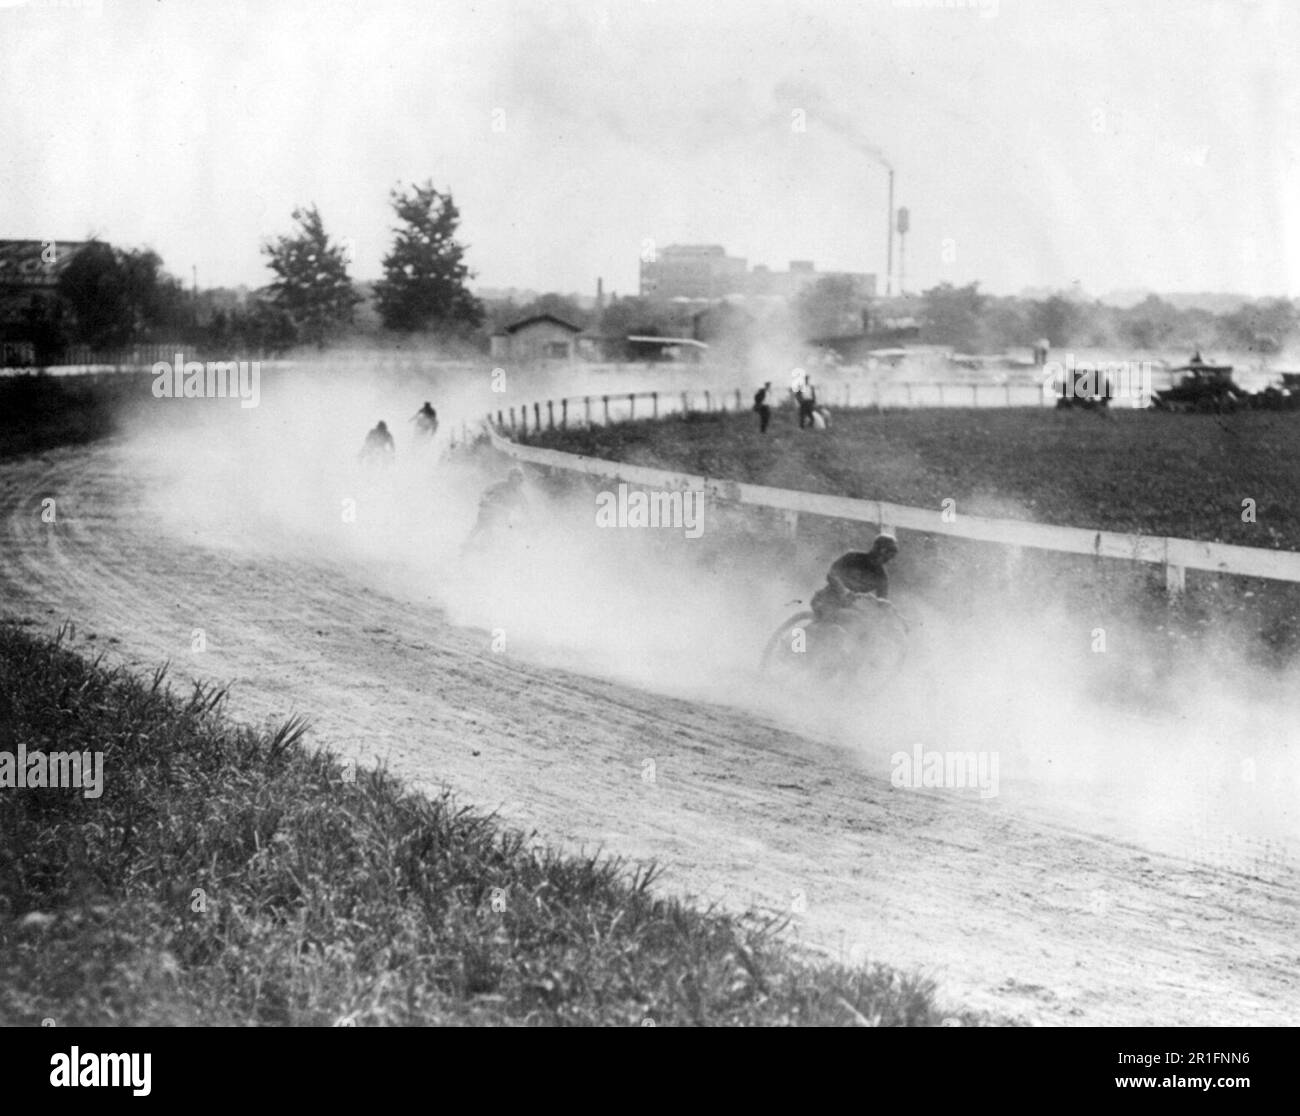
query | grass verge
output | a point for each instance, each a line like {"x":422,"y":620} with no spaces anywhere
{"x":1134,"y":471}
{"x":40,"y":412}
{"x":232,"y":877}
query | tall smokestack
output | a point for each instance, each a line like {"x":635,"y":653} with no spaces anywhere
{"x":889,"y":250}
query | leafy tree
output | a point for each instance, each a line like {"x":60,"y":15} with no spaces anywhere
{"x":951,"y":315}
{"x":162,"y":309}
{"x":262,"y":326}
{"x":312,"y":285}
{"x":93,"y":289}
{"x":1263,"y":326}
{"x":113,"y":296}
{"x":499,"y":313}
{"x":424,"y":274}
{"x":561,"y":306}
{"x":829,"y":307}
{"x":44,"y":325}
{"x":1006,"y":324}
{"x":636,"y":316}
{"x":1058,"y":319}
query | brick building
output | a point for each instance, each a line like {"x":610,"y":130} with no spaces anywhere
{"x":693,"y":271}
{"x":705,"y":271}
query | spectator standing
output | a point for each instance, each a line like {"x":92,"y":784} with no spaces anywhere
{"x":807,"y":396}
{"x":763,"y":405}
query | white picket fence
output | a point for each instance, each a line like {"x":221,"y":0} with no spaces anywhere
{"x":1175,"y":555}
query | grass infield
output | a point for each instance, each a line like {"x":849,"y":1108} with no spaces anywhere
{"x":227,"y":876}
{"x":1133,"y":471}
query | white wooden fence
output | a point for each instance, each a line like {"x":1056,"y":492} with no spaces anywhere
{"x":1175,"y":555}
{"x":603,"y":408}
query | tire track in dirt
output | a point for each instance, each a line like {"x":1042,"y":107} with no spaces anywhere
{"x":1016,"y":916}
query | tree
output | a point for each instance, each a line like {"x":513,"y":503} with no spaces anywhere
{"x":951,"y":315}
{"x":424,"y":275}
{"x":557,"y":305}
{"x":1151,"y":324}
{"x":93,"y":288}
{"x":114,"y":296}
{"x":499,"y":313}
{"x":312,"y":285}
{"x":44,"y":324}
{"x":1057,"y":318}
{"x":829,"y":307}
{"x":261,"y":325}
{"x":637,"y":316}
{"x":634,"y":316}
{"x":1263,"y":327}
{"x":158,"y":300}
{"x":1005,"y":324}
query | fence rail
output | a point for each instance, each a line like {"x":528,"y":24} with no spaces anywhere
{"x":1175,"y":555}
{"x":609,"y":407}
{"x":131,"y":358}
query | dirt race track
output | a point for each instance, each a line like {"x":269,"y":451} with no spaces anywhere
{"x":1016,"y":915}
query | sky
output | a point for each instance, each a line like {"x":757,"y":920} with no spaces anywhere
{"x":1119,"y":144}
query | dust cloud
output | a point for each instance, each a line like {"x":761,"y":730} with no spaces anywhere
{"x":1094,"y":723}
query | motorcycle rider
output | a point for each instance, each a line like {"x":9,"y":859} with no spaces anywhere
{"x":426,"y":419}
{"x":378,"y":445}
{"x":854,"y":573}
{"x":499,"y":504}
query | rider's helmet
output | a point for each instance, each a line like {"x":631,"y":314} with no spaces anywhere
{"x":885,"y":547}
{"x":382,"y":425}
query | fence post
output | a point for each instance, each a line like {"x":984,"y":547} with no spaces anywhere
{"x":537,"y":417}
{"x":512,"y":420}
{"x":686,"y":402}
{"x":631,"y":404}
{"x":564,"y":414}
{"x":708,"y":400}
{"x":654,"y":398}
{"x":586,"y":409}
{"x":737,"y":399}
{"x":605,"y":400}
{"x":1175,"y":576}
{"x":550,"y":414}
{"x":501,"y":422}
